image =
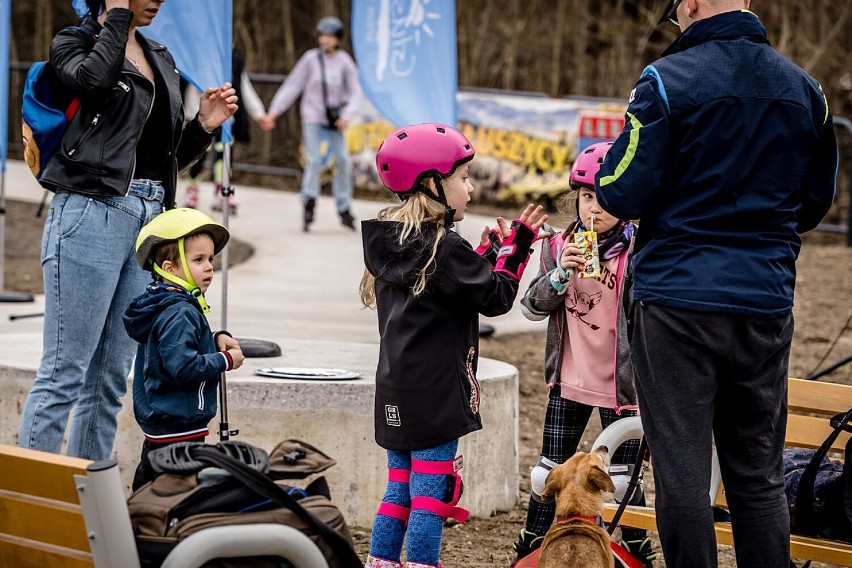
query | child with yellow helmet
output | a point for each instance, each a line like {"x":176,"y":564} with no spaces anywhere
{"x":179,"y":359}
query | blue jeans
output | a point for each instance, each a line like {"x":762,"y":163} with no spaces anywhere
{"x":312,"y":137}
{"x":90,"y":277}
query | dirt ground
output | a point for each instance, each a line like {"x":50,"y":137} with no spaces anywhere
{"x":823,"y":336}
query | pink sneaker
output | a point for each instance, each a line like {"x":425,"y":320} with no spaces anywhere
{"x":190,"y":198}
{"x":374,"y":562}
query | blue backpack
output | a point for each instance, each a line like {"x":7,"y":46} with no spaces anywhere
{"x":45,"y":116}
{"x":46,"y":111}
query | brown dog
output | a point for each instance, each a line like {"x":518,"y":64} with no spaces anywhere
{"x":575,"y":540}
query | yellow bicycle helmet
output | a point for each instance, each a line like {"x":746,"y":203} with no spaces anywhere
{"x":176,"y":225}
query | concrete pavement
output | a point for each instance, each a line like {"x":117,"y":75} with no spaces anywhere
{"x":297,"y":285}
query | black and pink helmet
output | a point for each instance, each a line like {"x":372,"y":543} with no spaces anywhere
{"x":418,"y":151}
{"x":587,"y":164}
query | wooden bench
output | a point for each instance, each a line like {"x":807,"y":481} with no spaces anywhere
{"x":61,"y":511}
{"x":804,"y":430}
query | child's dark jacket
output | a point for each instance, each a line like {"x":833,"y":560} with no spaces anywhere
{"x":427,"y":393}
{"x":177,"y":365}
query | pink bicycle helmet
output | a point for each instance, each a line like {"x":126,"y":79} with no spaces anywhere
{"x":587,"y":164}
{"x":414,"y":152}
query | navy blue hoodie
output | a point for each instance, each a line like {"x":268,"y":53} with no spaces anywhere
{"x":177,"y":365}
{"x":727,"y":155}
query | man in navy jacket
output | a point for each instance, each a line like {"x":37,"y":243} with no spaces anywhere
{"x":728,"y":155}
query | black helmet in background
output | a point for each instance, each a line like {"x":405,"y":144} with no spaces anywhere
{"x":330,"y":26}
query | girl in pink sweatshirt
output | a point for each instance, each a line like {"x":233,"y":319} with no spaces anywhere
{"x":587,"y":357}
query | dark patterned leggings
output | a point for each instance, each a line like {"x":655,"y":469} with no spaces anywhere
{"x":564,"y":425}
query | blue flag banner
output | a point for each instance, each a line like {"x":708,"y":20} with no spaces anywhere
{"x":5,"y":38}
{"x":198,"y":35}
{"x":406,"y":53}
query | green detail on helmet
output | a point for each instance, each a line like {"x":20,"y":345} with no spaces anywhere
{"x":189,"y":284}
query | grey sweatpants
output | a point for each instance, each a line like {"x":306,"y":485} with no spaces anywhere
{"x":703,"y":375}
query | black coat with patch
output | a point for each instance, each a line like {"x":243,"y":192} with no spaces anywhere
{"x":427,"y":393}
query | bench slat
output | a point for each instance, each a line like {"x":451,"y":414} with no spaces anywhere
{"x":39,"y":473}
{"x":24,"y":553}
{"x":811,"y":432}
{"x":820,"y":550}
{"x":818,"y":397}
{"x":42,"y":520}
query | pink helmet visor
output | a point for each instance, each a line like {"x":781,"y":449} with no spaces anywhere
{"x":587,"y":164}
{"x":413,"y":152}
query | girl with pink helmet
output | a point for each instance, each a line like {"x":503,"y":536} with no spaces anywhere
{"x":587,"y":360}
{"x":429,"y":286}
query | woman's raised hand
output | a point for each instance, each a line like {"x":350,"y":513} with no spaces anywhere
{"x":217,"y":105}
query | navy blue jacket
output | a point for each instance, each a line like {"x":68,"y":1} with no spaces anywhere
{"x":728,"y":155}
{"x":177,"y":364}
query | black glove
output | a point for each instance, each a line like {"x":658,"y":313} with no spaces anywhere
{"x":515,"y":251}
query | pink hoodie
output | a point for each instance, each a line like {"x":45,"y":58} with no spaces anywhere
{"x":588,"y":354}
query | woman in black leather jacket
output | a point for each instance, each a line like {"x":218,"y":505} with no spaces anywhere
{"x":115,"y":170}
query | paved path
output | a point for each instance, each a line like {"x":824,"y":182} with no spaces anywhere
{"x":296,"y":285}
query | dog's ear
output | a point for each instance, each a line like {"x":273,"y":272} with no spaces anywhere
{"x":599,"y":479}
{"x":553,"y":482}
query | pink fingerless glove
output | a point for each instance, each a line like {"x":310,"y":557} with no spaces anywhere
{"x":515,"y":251}
{"x":490,"y":251}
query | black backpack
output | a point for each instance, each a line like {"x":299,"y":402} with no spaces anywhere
{"x":819,"y":490}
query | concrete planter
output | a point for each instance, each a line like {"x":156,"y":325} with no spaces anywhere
{"x":335,"y":416}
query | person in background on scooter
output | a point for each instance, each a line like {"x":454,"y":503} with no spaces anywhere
{"x":251,"y":108}
{"x":429,"y":287}
{"x":587,"y":357}
{"x":179,"y":359}
{"x":327,"y":80}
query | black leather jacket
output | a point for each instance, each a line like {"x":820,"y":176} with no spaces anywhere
{"x":98,"y":151}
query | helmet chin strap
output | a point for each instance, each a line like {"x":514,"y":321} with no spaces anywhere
{"x":189,"y":284}
{"x":442,"y":199}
